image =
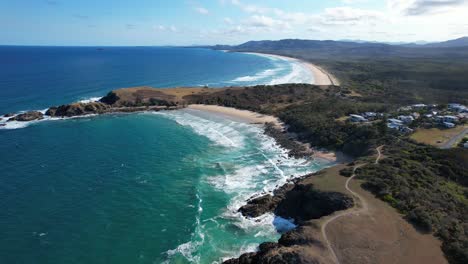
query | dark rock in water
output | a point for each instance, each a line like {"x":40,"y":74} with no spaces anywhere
{"x":302,"y":202}
{"x":51,"y":111}
{"x":78,"y":109}
{"x":294,"y":147}
{"x":9,"y":115}
{"x":258,"y":206}
{"x":28,"y":116}
{"x":110,"y":99}
{"x":266,"y":203}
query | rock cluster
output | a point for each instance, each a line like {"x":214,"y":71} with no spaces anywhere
{"x":28,"y":116}
{"x":77,"y":109}
{"x":300,"y":201}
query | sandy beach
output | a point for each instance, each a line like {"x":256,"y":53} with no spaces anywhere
{"x":321,"y":77}
{"x":256,"y":118}
{"x":241,"y":115}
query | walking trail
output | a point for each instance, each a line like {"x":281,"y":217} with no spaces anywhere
{"x":355,"y":210}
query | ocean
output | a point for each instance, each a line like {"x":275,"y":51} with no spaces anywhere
{"x":135,"y":188}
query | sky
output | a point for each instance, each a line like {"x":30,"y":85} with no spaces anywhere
{"x":200,"y":22}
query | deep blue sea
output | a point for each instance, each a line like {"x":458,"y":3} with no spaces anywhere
{"x":134,"y":188}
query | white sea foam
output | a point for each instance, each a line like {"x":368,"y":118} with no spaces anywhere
{"x":259,"y":76}
{"x":4,"y":124}
{"x":90,"y":100}
{"x":298,"y":72}
{"x":251,"y":164}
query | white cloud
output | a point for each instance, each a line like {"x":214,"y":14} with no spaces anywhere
{"x":228,"y":21}
{"x":163,"y":28}
{"x":202,"y":10}
{"x":424,"y":7}
{"x":264,"y":21}
{"x":397,"y":20}
{"x":349,"y":15}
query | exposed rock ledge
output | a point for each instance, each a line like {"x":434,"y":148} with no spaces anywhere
{"x":302,"y":202}
{"x":28,"y":116}
{"x":122,"y":100}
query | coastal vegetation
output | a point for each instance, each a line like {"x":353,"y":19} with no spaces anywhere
{"x":381,"y":72}
{"x":429,"y":186}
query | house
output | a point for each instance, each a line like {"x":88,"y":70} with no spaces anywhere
{"x":449,"y":125}
{"x":370,"y":115}
{"x":419,"y":106}
{"x":405,"y":108}
{"x":406,"y":119}
{"x":458,"y":108}
{"x":450,"y":119}
{"x":465,"y":145}
{"x":447,"y":118}
{"x":393,"y":126}
{"x":415,"y":115}
{"x":395,"y":121}
{"x":406,"y":129}
{"x":357,"y":118}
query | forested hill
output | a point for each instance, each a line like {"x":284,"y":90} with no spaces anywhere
{"x":379,"y":72}
{"x":329,"y":48}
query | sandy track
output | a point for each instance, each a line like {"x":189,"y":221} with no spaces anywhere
{"x":362,"y":202}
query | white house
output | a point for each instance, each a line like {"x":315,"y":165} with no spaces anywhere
{"x":419,"y":106}
{"x":450,"y":119}
{"x":465,"y":145}
{"x":406,"y":119}
{"x":395,"y":121}
{"x":449,"y":125}
{"x":458,"y":108}
{"x":357,"y":118}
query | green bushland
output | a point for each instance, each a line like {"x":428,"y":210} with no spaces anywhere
{"x":429,"y":186}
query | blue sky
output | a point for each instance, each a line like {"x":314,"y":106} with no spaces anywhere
{"x":186,"y":22}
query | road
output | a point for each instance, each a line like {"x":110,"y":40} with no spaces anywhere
{"x":455,"y":139}
{"x":363,"y":206}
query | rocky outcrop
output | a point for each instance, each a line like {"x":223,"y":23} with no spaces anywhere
{"x":287,"y":141}
{"x":28,"y":116}
{"x":300,"y":248}
{"x":298,"y":200}
{"x":77,"y":109}
{"x":110,"y":99}
{"x":9,"y":115}
{"x":266,"y":203}
{"x":304,"y":203}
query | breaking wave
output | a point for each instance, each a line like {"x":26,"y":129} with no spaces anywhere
{"x":247,"y":164}
{"x":285,"y":70}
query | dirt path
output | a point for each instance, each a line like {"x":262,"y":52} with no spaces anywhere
{"x":362,"y":202}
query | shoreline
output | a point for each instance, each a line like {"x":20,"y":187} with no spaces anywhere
{"x":251,"y":117}
{"x":321,"y":77}
{"x":245,"y":116}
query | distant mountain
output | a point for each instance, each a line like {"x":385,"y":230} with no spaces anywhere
{"x":460,"y":42}
{"x":323,"y":49}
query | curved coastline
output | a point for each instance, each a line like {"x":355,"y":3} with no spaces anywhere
{"x":321,"y":77}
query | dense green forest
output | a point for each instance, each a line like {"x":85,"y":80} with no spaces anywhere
{"x":380,"y":72}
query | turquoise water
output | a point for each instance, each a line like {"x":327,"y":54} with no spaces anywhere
{"x":136,"y":188}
